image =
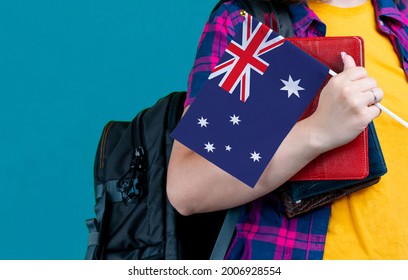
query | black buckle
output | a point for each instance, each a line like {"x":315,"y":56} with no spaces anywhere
{"x":132,"y":183}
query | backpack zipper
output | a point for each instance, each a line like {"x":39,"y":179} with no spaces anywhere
{"x":103,"y":144}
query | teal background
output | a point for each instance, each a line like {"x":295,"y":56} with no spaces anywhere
{"x":66,"y":68}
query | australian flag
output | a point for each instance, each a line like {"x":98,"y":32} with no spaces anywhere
{"x":253,"y":97}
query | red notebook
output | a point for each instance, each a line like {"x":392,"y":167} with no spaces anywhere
{"x":348,"y":162}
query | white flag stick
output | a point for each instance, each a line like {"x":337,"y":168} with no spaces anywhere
{"x":382,"y":108}
{"x":392,"y":115}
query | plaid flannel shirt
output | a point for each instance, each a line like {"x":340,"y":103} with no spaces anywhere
{"x":263,"y":231}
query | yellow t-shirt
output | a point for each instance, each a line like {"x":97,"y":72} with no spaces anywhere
{"x":372,"y":223}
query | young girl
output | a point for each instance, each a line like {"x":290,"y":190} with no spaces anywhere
{"x":369,"y":224}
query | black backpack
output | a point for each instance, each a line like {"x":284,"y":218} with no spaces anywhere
{"x":133,"y":217}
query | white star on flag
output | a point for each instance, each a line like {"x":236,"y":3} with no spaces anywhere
{"x":202,"y":122}
{"x":235,"y":120}
{"x":255,"y":156}
{"x":292,"y":87}
{"x":228,"y":148}
{"x":209,"y":147}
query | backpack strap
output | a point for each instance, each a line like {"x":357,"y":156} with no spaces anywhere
{"x":275,"y":15}
{"x":279,"y":18}
{"x":225,"y":236}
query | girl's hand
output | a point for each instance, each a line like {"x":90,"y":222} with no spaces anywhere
{"x":345,"y":106}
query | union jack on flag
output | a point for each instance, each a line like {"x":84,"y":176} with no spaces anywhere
{"x":246,"y":57}
{"x":242,"y":137}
